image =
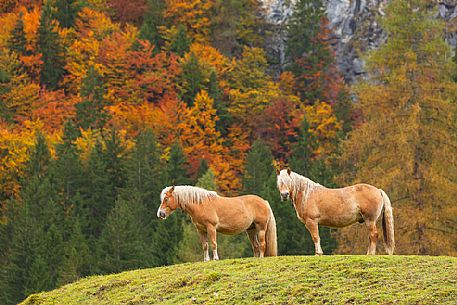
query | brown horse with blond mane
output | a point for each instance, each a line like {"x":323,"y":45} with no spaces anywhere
{"x":317,"y":205}
{"x":211,"y":213}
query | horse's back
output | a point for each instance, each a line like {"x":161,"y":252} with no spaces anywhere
{"x":367,"y":197}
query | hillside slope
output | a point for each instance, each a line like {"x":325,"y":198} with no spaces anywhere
{"x":278,"y":280}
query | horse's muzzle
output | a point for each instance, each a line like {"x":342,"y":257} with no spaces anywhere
{"x":161,"y":214}
{"x":284,"y":196}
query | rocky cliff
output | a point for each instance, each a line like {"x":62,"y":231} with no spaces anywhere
{"x":354,"y":24}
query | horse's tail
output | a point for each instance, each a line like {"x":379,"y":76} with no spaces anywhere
{"x":270,"y":235}
{"x":388,"y":224}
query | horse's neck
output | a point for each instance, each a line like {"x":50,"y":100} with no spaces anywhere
{"x":301,"y":195}
{"x":188,"y":209}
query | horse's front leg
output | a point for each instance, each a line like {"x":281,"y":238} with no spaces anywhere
{"x":204,"y":243}
{"x":212,"y":237}
{"x":313,"y":228}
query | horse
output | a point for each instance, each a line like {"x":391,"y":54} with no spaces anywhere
{"x":211,"y":213}
{"x":336,"y":208}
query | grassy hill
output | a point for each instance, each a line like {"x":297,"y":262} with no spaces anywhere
{"x":278,"y":280}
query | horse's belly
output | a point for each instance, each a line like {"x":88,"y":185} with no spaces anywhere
{"x":234,"y":226}
{"x":340,"y":220}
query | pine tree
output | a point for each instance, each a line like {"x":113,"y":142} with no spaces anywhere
{"x":36,"y":229}
{"x":49,"y":45}
{"x":66,"y":12}
{"x":90,"y":112}
{"x":144,"y":170}
{"x":180,"y":42}
{"x":67,"y":168}
{"x":152,"y":20}
{"x":215,"y":92}
{"x":192,"y":79}
{"x":258,"y":168}
{"x":176,"y":169}
{"x":122,"y":243}
{"x":98,"y":194}
{"x":203,"y":167}
{"x":303,"y":151}
{"x":407,"y":143}
{"x":106,"y":176}
{"x":114,"y":156}
{"x":17,"y":43}
{"x":208,"y":181}
{"x":76,"y":259}
{"x":302,"y":27}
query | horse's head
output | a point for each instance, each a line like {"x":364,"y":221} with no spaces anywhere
{"x":169,"y":203}
{"x":284,"y":182}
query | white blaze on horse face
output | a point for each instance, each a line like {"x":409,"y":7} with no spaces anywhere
{"x":162,"y":211}
{"x":283,"y":186}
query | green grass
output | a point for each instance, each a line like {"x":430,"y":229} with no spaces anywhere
{"x":277,"y":280}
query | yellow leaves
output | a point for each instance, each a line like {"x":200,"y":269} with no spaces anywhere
{"x":244,"y":104}
{"x":95,"y":24}
{"x":80,"y":55}
{"x":209,"y":56}
{"x":324,"y":125}
{"x":31,"y":24}
{"x":7,"y":21}
{"x":193,"y":14}
{"x":15,"y":144}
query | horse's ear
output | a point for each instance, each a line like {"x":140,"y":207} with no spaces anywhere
{"x":171,"y":189}
{"x":278,"y":171}
{"x":288,"y":171}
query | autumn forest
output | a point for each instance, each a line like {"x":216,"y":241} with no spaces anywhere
{"x":103,"y":103}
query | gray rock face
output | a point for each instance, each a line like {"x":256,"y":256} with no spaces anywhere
{"x":355,"y":26}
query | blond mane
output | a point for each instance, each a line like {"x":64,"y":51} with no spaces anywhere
{"x":297,"y":183}
{"x":186,"y":194}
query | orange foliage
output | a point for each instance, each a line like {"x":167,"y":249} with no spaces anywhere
{"x":53,"y":108}
{"x":194,"y":14}
{"x":151,"y":77}
{"x":238,"y":146}
{"x":201,"y":140}
{"x":161,"y":118}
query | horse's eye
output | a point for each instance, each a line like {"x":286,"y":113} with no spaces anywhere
{"x":166,"y":199}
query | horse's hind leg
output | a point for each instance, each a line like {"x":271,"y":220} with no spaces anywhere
{"x":313,"y":229}
{"x":373,"y":231}
{"x":204,"y":243}
{"x":212,"y":237}
{"x":263,"y":244}
{"x":252,"y":233}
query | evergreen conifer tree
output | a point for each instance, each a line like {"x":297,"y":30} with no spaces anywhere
{"x":152,"y":20}
{"x":49,"y":45}
{"x":122,"y":245}
{"x":90,"y":112}
{"x":66,"y":12}
{"x":17,"y":43}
